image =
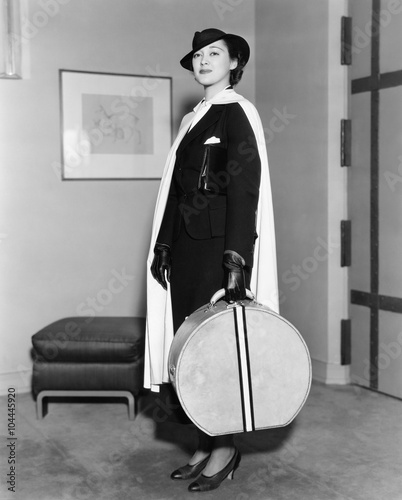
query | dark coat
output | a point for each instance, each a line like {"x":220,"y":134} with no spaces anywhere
{"x":227,"y":208}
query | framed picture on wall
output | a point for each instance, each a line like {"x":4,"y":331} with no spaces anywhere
{"x":114,"y":126}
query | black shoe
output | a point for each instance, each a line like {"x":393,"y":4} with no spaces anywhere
{"x":207,"y":483}
{"x":189,"y":471}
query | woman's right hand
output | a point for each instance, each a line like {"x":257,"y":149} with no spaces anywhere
{"x":162,"y":263}
{"x":233,"y":276}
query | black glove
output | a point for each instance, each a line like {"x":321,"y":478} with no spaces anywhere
{"x":233,"y":276}
{"x":162,"y":262}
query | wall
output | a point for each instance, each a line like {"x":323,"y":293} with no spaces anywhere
{"x":63,"y":242}
{"x":301,"y":103}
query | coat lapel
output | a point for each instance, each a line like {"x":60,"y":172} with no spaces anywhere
{"x":206,"y":121}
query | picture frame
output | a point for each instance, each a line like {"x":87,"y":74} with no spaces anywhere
{"x":114,"y":126}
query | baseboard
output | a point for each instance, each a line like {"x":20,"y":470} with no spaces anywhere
{"x":20,"y":380}
{"x":330,"y":373}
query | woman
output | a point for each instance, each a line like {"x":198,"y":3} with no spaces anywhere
{"x":213,"y":224}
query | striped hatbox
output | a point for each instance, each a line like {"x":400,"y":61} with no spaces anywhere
{"x":239,"y":367}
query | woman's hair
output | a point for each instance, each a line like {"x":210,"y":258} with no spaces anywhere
{"x":234,"y":54}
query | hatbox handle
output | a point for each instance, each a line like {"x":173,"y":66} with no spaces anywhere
{"x":221,"y":293}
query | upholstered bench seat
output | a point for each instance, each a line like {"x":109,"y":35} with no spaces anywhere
{"x":90,"y":340}
{"x":89,"y":356}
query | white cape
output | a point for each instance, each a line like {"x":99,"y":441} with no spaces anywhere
{"x":264,"y":280}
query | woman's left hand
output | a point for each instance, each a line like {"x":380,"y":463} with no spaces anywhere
{"x":161,"y":264}
{"x":234,"y":282}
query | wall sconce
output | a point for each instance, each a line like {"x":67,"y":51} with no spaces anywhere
{"x":10,"y":42}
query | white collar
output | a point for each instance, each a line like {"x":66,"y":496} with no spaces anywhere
{"x":216,"y":97}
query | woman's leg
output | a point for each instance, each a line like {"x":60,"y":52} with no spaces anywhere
{"x":222,"y":452}
{"x":204,"y":448}
{"x":221,"y":449}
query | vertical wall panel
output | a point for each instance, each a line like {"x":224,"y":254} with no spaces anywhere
{"x":390,"y":224}
{"x":359,"y":193}
{"x":390,"y":36}
{"x":361,"y":38}
{"x":292,"y":76}
{"x":360,"y":373}
{"x":390,"y":354}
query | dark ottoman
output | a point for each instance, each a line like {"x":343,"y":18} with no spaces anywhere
{"x":89,"y":356}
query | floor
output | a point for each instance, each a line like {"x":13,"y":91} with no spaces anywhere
{"x":346,"y":444}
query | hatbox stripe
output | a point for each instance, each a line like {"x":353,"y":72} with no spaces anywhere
{"x":244,"y":371}
{"x":250,"y":385}
{"x":239,"y":368}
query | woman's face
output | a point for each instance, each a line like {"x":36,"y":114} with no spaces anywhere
{"x":212,"y":65}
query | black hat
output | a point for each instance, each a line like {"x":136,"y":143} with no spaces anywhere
{"x":210,"y":35}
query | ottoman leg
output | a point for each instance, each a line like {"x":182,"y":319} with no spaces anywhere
{"x":39,"y":404}
{"x":131,"y":405}
{"x":132,"y":402}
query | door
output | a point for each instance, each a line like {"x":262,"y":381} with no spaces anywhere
{"x":375,"y":195}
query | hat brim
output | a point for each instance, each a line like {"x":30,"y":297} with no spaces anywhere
{"x":242,"y":45}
